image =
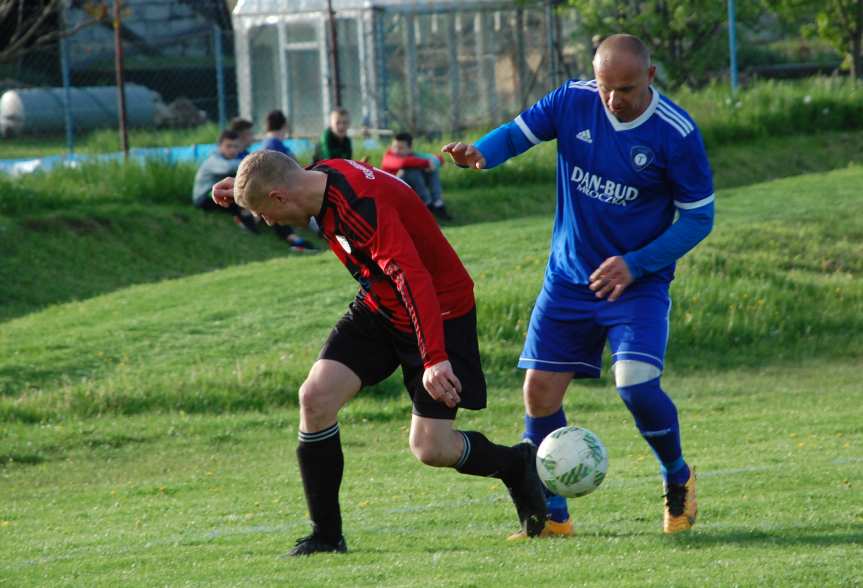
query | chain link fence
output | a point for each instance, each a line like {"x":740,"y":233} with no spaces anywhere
{"x":470,"y":68}
{"x":179,"y":74}
{"x":431,"y":67}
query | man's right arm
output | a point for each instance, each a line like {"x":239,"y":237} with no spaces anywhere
{"x":531,"y":127}
{"x":503,"y":143}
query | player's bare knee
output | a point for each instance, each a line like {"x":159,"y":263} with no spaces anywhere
{"x":427,"y":451}
{"x":316,"y":405}
{"x":540,"y":397}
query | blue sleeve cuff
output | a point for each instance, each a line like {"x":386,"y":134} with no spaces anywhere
{"x":504,"y":142}
{"x":690,"y":229}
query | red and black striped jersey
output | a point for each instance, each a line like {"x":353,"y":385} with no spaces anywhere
{"x":383,"y":233}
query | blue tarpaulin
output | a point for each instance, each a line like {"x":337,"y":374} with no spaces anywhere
{"x":190,"y":153}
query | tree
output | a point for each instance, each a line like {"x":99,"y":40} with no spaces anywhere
{"x":839,"y":22}
{"x":30,"y":24}
{"x":687,"y":37}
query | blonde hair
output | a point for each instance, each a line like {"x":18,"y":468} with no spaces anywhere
{"x":259,"y":173}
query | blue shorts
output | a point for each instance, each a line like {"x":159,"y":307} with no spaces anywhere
{"x":569,"y":327}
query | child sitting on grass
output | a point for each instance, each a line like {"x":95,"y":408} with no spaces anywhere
{"x":419,"y":170}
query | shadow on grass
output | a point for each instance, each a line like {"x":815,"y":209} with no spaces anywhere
{"x":7,"y":459}
{"x":58,"y":451}
{"x":816,"y":536}
{"x":706,"y":536}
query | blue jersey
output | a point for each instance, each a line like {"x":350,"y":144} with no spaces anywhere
{"x":618,"y":184}
{"x":275,"y":144}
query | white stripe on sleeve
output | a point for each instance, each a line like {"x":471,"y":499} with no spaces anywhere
{"x":696,"y":204}
{"x":526,"y":130}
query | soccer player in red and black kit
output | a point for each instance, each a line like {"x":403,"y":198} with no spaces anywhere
{"x":415,"y":309}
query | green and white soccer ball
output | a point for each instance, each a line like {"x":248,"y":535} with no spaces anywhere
{"x":572,"y":462}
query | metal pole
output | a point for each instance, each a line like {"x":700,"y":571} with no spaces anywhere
{"x":381,"y":80}
{"x":732,"y":46}
{"x":334,"y":42}
{"x":551,"y":39}
{"x":454,"y":73}
{"x":411,"y":70}
{"x":121,"y":84}
{"x":67,"y":96}
{"x":485,"y":64}
{"x":220,"y":74}
{"x":520,"y":61}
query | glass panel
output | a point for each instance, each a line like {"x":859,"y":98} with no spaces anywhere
{"x":301,"y":32}
{"x":304,"y":87}
{"x":266,"y":95}
{"x":349,"y":69}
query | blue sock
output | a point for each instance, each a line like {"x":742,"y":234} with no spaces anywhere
{"x":535,"y":430}
{"x":656,"y":418}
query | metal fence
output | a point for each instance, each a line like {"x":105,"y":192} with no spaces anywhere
{"x":428,"y":66}
{"x":471,"y":68}
{"x":179,"y":73}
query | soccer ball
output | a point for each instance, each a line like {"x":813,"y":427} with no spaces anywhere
{"x":571,"y":462}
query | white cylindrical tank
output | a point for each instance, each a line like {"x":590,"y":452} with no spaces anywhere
{"x":40,"y":110}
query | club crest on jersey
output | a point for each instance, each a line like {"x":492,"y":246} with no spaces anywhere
{"x":343,"y":241}
{"x":641,"y":157}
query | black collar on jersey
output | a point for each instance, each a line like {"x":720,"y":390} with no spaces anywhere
{"x":319,"y":218}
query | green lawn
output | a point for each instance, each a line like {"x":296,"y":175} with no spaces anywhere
{"x":215,"y":500}
{"x":147,"y":431}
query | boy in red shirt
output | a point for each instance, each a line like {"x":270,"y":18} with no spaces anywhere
{"x":419,"y":170}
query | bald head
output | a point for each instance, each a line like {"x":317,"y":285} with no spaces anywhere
{"x":259,"y":173}
{"x":623,"y":76}
{"x":621,"y":51}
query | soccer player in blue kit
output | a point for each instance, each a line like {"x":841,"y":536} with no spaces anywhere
{"x":628,"y":160}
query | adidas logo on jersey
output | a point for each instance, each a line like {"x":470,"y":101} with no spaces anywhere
{"x":585,"y":136}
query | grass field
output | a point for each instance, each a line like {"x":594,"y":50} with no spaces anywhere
{"x":147,"y":428}
{"x":202,"y":500}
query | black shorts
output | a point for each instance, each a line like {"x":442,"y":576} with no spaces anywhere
{"x":373,"y":349}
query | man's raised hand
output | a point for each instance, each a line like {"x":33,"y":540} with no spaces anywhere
{"x":464,"y":155}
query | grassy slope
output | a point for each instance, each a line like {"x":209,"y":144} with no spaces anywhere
{"x":779,"y":280}
{"x":121,"y":246}
{"x":49,"y":224}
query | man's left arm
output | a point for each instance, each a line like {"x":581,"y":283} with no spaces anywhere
{"x":692,"y":189}
{"x":393,"y":250}
{"x":691,"y":227}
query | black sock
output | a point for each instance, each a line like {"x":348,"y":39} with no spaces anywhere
{"x":321,"y":466}
{"x":481,"y":457}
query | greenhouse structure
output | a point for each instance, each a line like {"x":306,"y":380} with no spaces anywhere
{"x":427,"y":66}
